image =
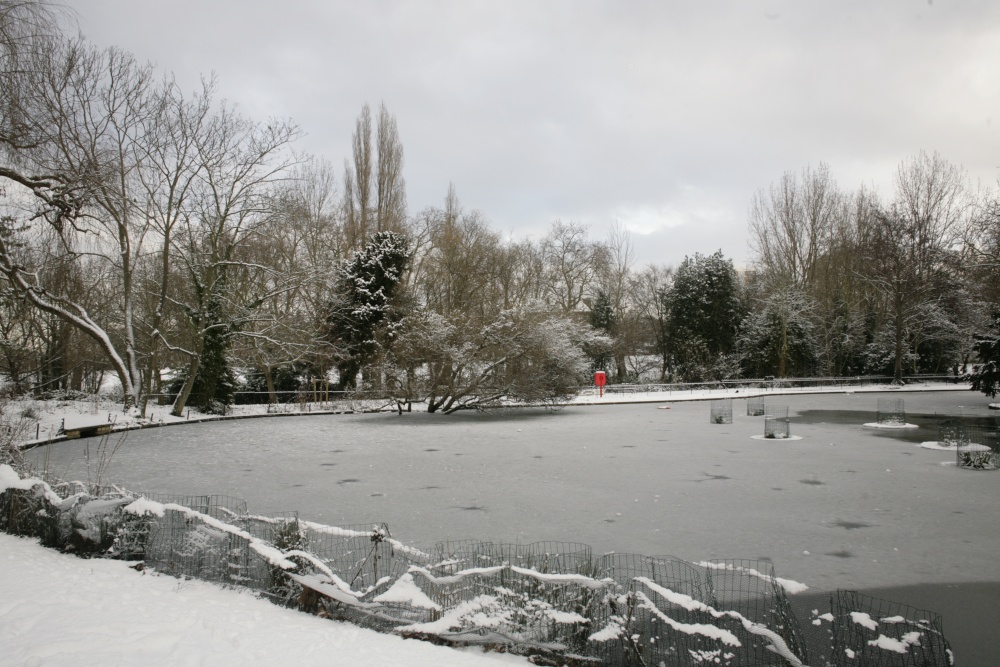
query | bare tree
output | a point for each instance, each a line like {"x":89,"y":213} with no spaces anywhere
{"x":568,"y":257}
{"x":909,"y":245}
{"x":390,"y":187}
{"x":792,"y":223}
{"x":88,"y":112}
{"x":982,"y":248}
{"x":374,"y":189}
{"x":168,"y":173}
{"x":650,"y":291}
{"x":461,"y":267}
{"x":240,"y":162}
{"x":613,"y":262}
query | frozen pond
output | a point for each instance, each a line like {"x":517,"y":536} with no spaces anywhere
{"x":846,"y":506}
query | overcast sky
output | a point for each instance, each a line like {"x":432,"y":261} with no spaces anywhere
{"x":666,"y":116}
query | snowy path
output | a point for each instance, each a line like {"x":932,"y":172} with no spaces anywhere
{"x":56,"y":610}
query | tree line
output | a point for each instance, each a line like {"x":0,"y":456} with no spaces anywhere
{"x":165,"y":238}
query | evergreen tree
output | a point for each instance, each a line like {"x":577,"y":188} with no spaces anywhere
{"x":986,"y":377}
{"x":602,"y":318}
{"x":705,"y":314}
{"x":780,"y":340}
{"x":365,"y":288}
{"x":215,"y":384}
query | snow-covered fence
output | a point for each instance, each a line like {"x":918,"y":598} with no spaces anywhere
{"x":649,"y":621}
{"x":677,"y":574}
{"x":554,"y":600}
{"x":721,"y":411}
{"x":879,"y":633}
{"x":751,"y":589}
{"x":891,"y":412}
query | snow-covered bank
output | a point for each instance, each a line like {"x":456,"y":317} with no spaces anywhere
{"x":637,"y":395}
{"x":47,"y":418}
{"x":60,"y":610}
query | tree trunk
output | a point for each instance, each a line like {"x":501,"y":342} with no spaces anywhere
{"x":897,"y":373}
{"x":178,"y":410}
{"x":783,"y":352}
{"x":272,"y":397}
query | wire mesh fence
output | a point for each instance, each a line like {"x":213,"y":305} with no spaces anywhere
{"x":629,"y":628}
{"x":750,"y":588}
{"x":755,"y":407}
{"x":668,"y":571}
{"x":360,"y":555}
{"x":891,"y":412}
{"x":544,"y":598}
{"x":721,"y":411}
{"x":878,"y":633}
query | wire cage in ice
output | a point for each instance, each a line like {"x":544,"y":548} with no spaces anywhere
{"x":755,"y":407}
{"x":891,"y":412}
{"x":978,"y":446}
{"x":777,"y":428}
{"x":878,"y":633}
{"x":951,"y":433}
{"x":776,"y":424}
{"x":775,"y":410}
{"x":722,"y":411}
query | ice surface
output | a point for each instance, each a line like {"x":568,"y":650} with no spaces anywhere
{"x":576,"y":475}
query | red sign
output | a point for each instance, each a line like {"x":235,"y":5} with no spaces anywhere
{"x":600,"y":379}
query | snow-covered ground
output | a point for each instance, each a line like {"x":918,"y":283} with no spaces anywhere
{"x":59,"y":610}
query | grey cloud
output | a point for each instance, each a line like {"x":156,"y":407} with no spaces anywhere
{"x":665,"y":115}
